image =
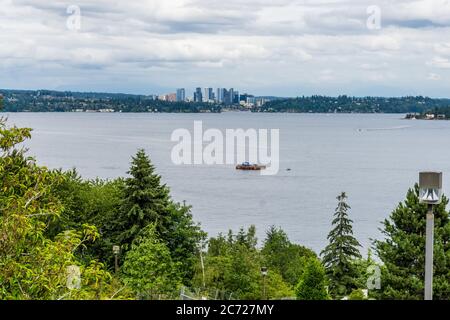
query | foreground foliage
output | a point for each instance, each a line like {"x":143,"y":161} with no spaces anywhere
{"x":403,"y":251}
{"x":57,"y":231}
{"x":232,"y":266}
{"x":313,"y":282}
{"x":149,"y":269}
{"x":32,"y":265}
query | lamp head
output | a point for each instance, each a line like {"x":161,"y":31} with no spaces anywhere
{"x":116,"y":249}
{"x":430,"y":187}
{"x":264,"y":271}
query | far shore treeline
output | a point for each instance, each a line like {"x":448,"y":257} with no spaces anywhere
{"x":66,"y":101}
{"x":63,"y":237}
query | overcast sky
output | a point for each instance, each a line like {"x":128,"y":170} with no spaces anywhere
{"x":276,"y":47}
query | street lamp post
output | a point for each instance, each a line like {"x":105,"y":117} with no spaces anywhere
{"x":430,"y":193}
{"x":116,"y":251}
{"x":264,"y":272}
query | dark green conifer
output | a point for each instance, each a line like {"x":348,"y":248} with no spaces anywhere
{"x":145,"y":201}
{"x":339,"y":256}
{"x":403,"y":251}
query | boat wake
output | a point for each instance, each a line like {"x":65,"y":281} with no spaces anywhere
{"x":384,"y":129}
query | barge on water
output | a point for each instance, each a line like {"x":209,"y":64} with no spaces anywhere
{"x":249,"y":166}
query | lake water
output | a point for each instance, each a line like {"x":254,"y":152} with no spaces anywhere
{"x":374,"y":158}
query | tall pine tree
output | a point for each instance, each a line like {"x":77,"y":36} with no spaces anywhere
{"x":145,"y":201}
{"x":338,"y":257}
{"x":403,"y":251}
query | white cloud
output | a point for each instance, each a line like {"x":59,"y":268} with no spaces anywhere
{"x":254,"y":45}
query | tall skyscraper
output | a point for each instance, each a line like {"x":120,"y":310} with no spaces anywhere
{"x":227,"y":97}
{"x":230,"y":96}
{"x":219,"y":95}
{"x":181,"y":94}
{"x":236,"y":97}
{"x":198,"y":97}
{"x":208,"y":95}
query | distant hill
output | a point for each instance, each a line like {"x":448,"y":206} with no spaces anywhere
{"x":67,"y":101}
{"x":346,"y":104}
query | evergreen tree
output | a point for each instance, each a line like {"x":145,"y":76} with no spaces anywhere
{"x":312,"y":283}
{"x":403,"y":251}
{"x":366,"y":267}
{"x":145,"y":201}
{"x":339,"y":255}
{"x":184,"y":239}
{"x":247,"y":239}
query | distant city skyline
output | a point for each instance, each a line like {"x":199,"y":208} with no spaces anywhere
{"x":223,"y":96}
{"x":278,"y":48}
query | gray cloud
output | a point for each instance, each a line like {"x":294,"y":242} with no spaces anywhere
{"x":283,"y":47}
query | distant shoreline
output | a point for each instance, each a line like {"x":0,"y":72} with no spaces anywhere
{"x":400,"y":114}
{"x":91,"y":102}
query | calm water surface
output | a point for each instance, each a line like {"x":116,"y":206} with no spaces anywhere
{"x":374,"y":158}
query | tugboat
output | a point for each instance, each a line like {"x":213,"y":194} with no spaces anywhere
{"x":249,"y":166}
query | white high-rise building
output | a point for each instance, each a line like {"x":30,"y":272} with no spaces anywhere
{"x":220,"y":95}
{"x":208,"y":95}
